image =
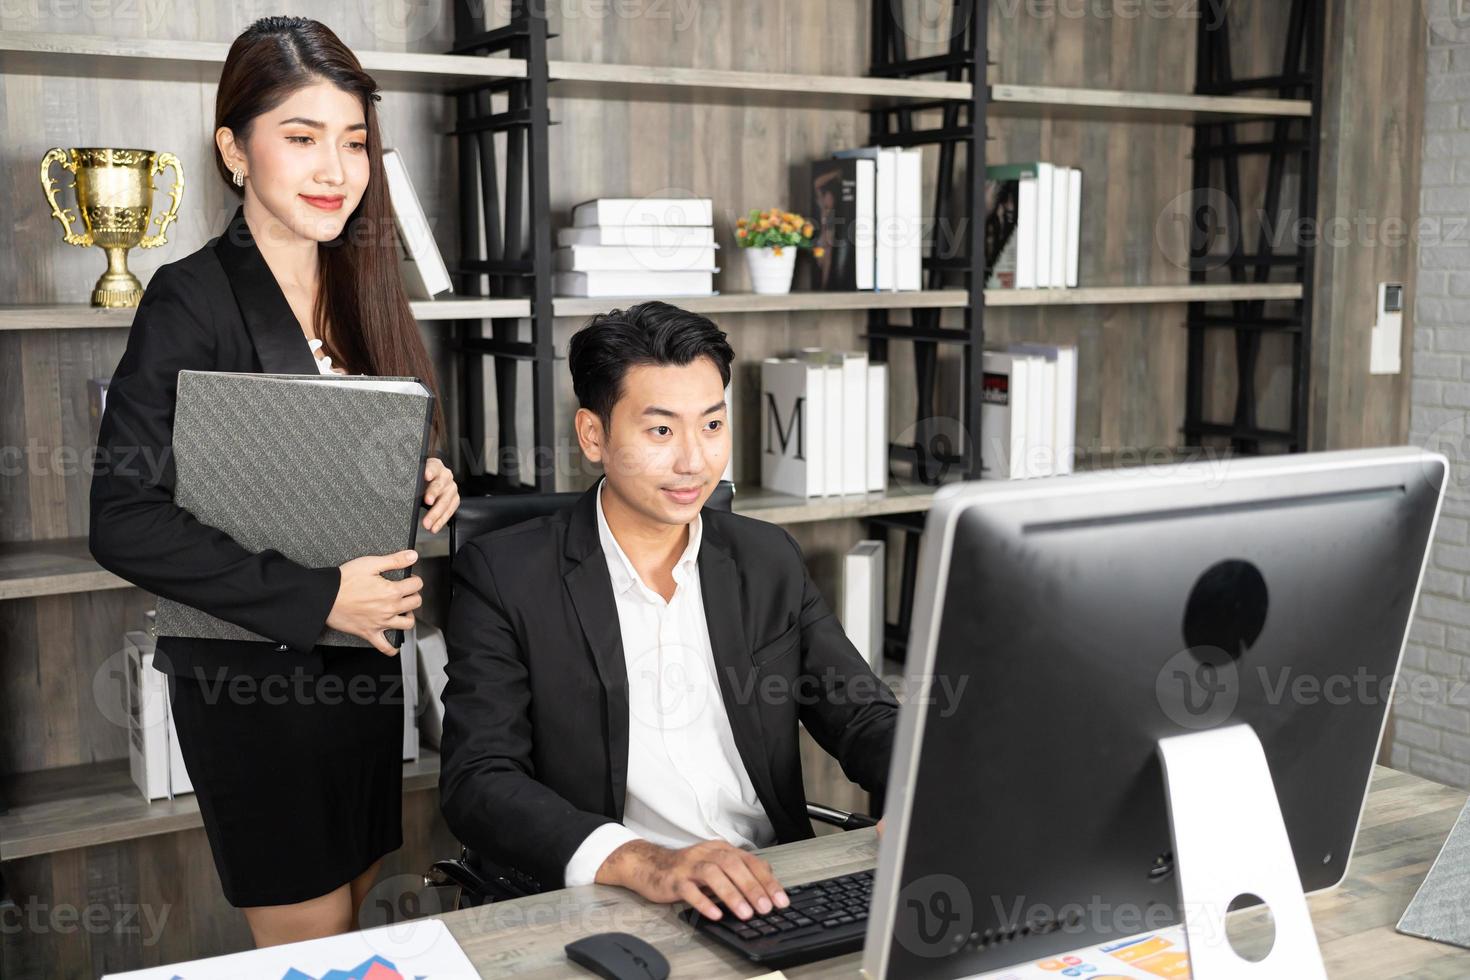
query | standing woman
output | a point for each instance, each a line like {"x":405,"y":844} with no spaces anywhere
{"x":294,"y":749}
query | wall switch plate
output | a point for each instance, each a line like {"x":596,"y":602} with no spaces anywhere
{"x":1388,"y":330}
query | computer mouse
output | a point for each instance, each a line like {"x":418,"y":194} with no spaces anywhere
{"x":618,"y":956}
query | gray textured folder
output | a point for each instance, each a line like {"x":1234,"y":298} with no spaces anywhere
{"x":1440,"y":909}
{"x":321,"y":468}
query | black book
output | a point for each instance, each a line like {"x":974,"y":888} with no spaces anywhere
{"x":842,"y":212}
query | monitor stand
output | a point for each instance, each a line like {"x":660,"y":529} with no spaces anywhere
{"x":1229,"y":842}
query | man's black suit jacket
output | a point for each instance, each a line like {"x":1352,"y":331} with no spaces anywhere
{"x":217,"y":309}
{"x":535,"y":747}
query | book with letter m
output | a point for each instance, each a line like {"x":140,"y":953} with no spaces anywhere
{"x":320,"y":468}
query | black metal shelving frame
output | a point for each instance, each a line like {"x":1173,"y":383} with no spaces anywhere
{"x":1217,"y":153}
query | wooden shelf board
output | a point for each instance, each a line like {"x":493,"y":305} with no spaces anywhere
{"x":945,"y":298}
{"x":63,"y":566}
{"x":1109,"y":295}
{"x":768,"y":303}
{"x":83,"y":316}
{"x":155,"y":59}
{"x":55,"y":567}
{"x":581,"y":80}
{"x":1024,"y":101}
{"x":84,"y":806}
{"x":901,"y":497}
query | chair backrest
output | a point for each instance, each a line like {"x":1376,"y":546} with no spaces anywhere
{"x":481,"y":515}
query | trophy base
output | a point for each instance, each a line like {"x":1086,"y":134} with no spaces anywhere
{"x":117,"y":291}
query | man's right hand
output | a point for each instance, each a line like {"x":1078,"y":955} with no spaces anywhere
{"x":367,"y":603}
{"x":736,"y":877}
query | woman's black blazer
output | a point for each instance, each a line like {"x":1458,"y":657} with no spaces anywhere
{"x":219,"y":309}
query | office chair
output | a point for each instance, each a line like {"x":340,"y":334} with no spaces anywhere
{"x":479,"y":879}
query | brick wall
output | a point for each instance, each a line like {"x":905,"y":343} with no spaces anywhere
{"x":1431,"y":729}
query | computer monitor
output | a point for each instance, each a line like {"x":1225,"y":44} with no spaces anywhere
{"x":1063,"y":627}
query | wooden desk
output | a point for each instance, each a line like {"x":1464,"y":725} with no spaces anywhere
{"x":1406,"y":821}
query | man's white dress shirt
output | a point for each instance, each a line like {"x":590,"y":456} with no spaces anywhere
{"x":686,"y":782}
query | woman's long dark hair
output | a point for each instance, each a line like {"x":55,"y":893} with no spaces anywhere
{"x":361,"y":313}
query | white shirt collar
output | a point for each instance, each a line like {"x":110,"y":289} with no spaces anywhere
{"x":620,"y":567}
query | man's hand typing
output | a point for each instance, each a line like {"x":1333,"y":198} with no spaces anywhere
{"x":692,"y":874}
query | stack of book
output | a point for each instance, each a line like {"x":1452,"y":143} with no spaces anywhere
{"x":638,"y":247}
{"x":1028,"y":420}
{"x":867,"y":205}
{"x":824,"y":424}
{"x":1033,"y":226}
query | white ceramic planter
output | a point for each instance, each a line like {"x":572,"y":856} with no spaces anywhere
{"x":770,"y":273}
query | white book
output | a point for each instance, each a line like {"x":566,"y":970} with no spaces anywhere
{"x":635,"y":258}
{"x":1027,"y":231}
{"x":1045,"y":200}
{"x":646,"y":236}
{"x":1043,"y":449}
{"x":606,"y":211}
{"x":865,"y":231}
{"x":421,"y":264}
{"x":854,"y":423}
{"x":1064,"y":431}
{"x":793,"y":410}
{"x":863,"y":599}
{"x":1061,"y":212}
{"x":834,"y":429}
{"x":1074,"y":225}
{"x":616,"y":284}
{"x":877,"y":454}
{"x":154,"y":759}
{"x":433,"y":665}
{"x":910,"y":206}
{"x":885,"y":215}
{"x":1003,"y":416}
{"x":1034,"y":439}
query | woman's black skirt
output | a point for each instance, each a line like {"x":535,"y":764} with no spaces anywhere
{"x":299,"y":777}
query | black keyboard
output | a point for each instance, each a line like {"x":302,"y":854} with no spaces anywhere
{"x":825,"y":918}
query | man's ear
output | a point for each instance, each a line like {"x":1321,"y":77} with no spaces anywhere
{"x":590,"y":434}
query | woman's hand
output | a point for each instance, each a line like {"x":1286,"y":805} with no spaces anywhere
{"x":441,"y":494}
{"x":367,"y":603}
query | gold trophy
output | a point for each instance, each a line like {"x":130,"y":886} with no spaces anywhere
{"x":114,"y":191}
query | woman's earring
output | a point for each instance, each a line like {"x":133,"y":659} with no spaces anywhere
{"x":239,"y":178}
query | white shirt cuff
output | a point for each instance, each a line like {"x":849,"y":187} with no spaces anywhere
{"x":582,"y":868}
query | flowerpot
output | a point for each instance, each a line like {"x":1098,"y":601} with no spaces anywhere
{"x":769,"y":272}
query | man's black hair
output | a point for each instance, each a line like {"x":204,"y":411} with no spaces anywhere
{"x":653,"y":333}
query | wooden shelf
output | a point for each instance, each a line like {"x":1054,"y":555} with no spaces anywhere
{"x":767,"y":303}
{"x":83,"y":806}
{"x":83,"y":316}
{"x":63,"y":566}
{"x":901,"y":497}
{"x":943,"y":298}
{"x":1032,"y":101}
{"x":1115,"y":295}
{"x":584,"y":80}
{"x":153,"y":59}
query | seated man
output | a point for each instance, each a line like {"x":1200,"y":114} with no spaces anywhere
{"x":626,"y":678}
